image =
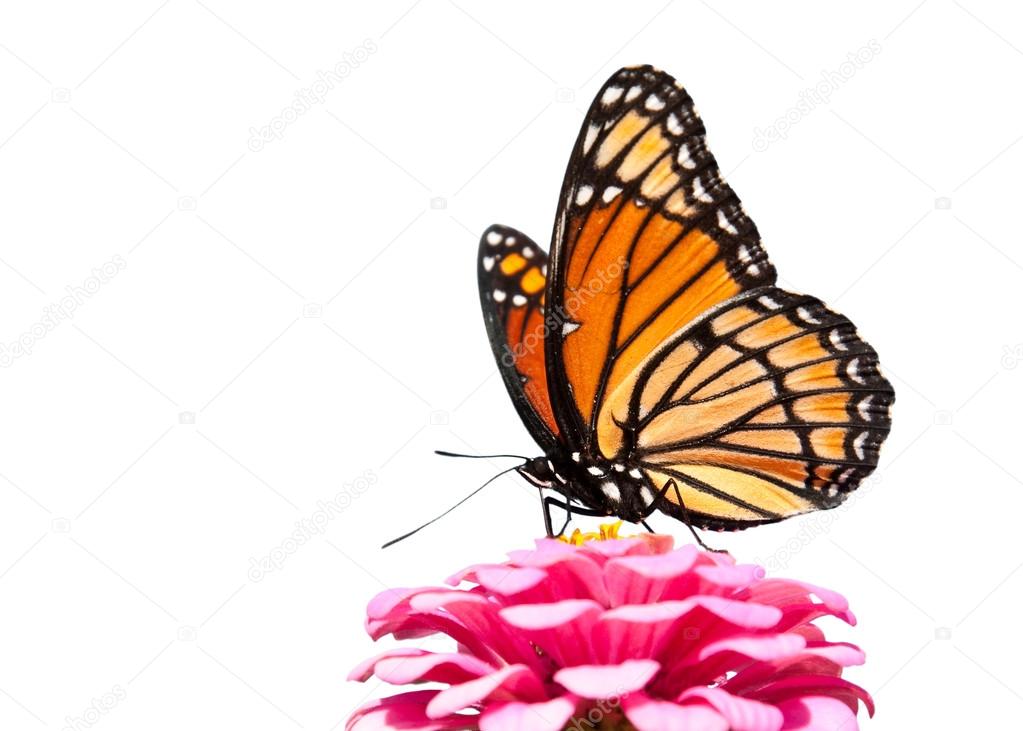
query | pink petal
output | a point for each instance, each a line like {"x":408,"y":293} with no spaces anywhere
{"x":547,"y":552}
{"x":758,"y":675}
{"x":431,"y":601}
{"x":817,"y":712}
{"x":831,"y":599}
{"x":716,"y":658}
{"x":479,"y":616}
{"x":431,"y":668}
{"x":562,"y":629}
{"x":364,"y":670}
{"x":607,"y":681}
{"x":387,"y":601}
{"x":702,"y":664}
{"x":797,"y":598}
{"x":547,"y":616}
{"x":648,"y":714}
{"x":742,"y":714}
{"x":571,"y":573}
{"x":636,"y":630}
{"x":730,"y":576}
{"x":603,"y":550}
{"x":508,"y":580}
{"x":765,"y":648}
{"x":815,"y":685}
{"x":405,"y":711}
{"x":711,"y":618}
{"x":643,"y":579}
{"x":518,"y":716}
{"x":413,"y":625}
{"x":840,"y":653}
{"x":514,"y":682}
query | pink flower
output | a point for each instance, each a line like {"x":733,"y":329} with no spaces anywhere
{"x":614,"y":634}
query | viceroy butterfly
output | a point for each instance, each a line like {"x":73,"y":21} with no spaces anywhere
{"x":655,"y":362}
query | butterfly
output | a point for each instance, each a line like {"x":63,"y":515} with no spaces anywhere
{"x":652,"y":357}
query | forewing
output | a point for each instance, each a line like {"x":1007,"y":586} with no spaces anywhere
{"x":648,"y":238}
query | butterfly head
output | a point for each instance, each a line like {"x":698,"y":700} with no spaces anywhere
{"x":540,"y":472}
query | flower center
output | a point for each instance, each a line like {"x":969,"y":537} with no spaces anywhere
{"x":607,"y":532}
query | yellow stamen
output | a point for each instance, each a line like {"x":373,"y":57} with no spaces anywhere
{"x":608,"y":532}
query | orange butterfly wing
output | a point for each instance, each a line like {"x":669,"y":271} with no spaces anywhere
{"x":649,"y":237}
{"x":670,"y":350}
{"x":767,"y":407}
{"x":512,"y":273}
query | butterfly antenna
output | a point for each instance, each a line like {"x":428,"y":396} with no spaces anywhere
{"x":445,"y":453}
{"x":429,"y":522}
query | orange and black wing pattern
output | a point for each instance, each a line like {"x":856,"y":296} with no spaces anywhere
{"x":767,"y":407}
{"x":512,"y":272}
{"x":670,"y":350}
{"x":649,"y":237}
{"x":657,"y":362}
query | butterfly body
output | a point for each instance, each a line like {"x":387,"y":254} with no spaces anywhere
{"x":605,"y":488}
{"x":652,"y":357}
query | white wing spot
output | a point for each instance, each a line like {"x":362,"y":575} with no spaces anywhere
{"x":853,"y":369}
{"x":744,"y":256}
{"x":583,"y":195}
{"x":768,"y":302}
{"x":634,"y":472}
{"x":510,"y":241}
{"x":494,"y":238}
{"x":619,"y":467}
{"x":685,"y":158}
{"x":863,"y":407}
{"x":753,"y":269}
{"x":805,"y":316}
{"x":488,"y":263}
{"x":654,"y":103}
{"x":591,"y":135}
{"x":674,"y":125}
{"x":611,"y":491}
{"x":858,"y":444}
{"x":575,"y":456}
{"x":610,"y":192}
{"x":519,"y":300}
{"x":699,"y":193}
{"x":633,"y":93}
{"x":567,"y":328}
{"x":611,"y":95}
{"x":725,"y":224}
{"x":836,"y":340}
{"x":528,"y":252}
{"x":499,"y":295}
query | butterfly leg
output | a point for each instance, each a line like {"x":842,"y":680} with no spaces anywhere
{"x":569,"y":510}
{"x":672,"y":485}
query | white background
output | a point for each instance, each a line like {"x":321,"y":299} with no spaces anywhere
{"x":311,"y":307}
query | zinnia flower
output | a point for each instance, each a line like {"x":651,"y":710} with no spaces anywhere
{"x":622,"y":633}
